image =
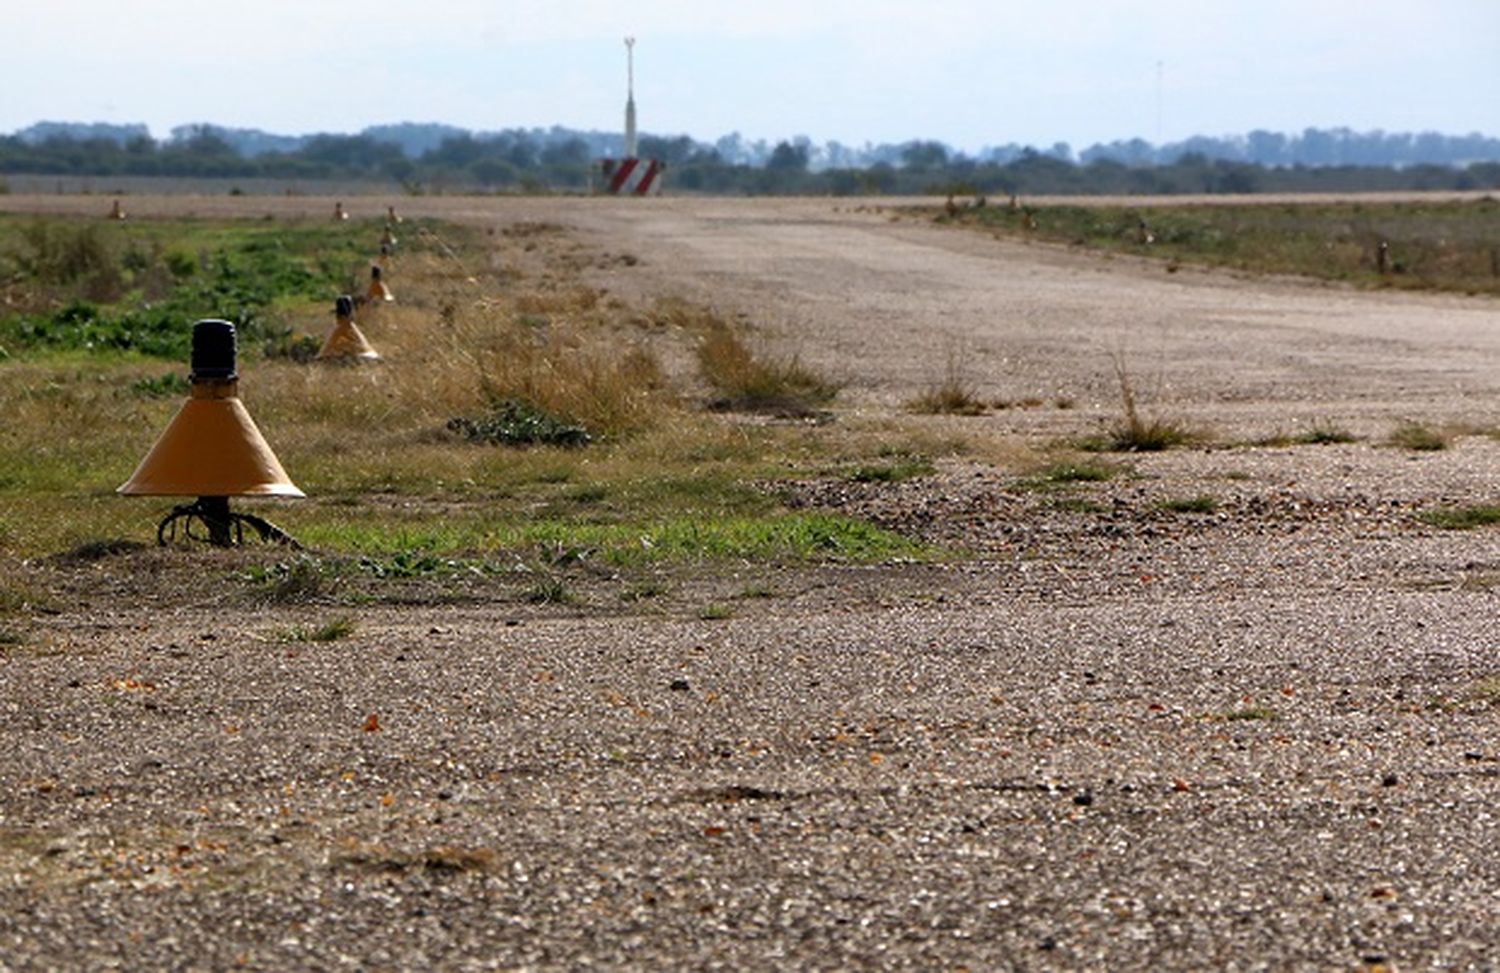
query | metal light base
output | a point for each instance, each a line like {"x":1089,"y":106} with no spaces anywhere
{"x":218,"y":526}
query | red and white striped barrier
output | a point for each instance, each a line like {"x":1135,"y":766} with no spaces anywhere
{"x":632,"y":177}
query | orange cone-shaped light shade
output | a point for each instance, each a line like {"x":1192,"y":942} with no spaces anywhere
{"x":346,"y":340}
{"x":211,"y":447}
{"x":378,"y":291}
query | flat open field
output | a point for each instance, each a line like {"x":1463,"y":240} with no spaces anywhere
{"x":1233,"y":705}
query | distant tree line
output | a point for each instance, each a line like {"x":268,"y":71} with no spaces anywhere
{"x":424,"y":157}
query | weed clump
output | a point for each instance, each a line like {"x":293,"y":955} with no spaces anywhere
{"x":1202,"y":504}
{"x":302,"y":580}
{"x":1461,"y":518}
{"x":516,"y":422}
{"x":893,"y":472}
{"x":1079,"y":473}
{"x":952,"y":394}
{"x":330,"y":631}
{"x":1135,"y":432}
{"x":548,"y":589}
{"x":1325,"y":434}
{"x":1250,"y":713}
{"x":746,"y":382}
{"x":1419,"y":438}
{"x":949,"y":397}
{"x":406,"y":564}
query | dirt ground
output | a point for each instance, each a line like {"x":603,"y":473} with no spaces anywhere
{"x":1120,"y":735}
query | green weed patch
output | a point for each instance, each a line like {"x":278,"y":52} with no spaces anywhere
{"x":139,"y":287}
{"x":1461,"y":518}
{"x":796,"y":537}
{"x":515,"y":422}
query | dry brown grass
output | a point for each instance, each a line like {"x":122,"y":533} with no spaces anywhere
{"x":740,"y":376}
{"x":951,"y":394}
{"x":451,"y":344}
{"x":370,"y":443}
{"x":747,"y":381}
{"x":1137,"y":431}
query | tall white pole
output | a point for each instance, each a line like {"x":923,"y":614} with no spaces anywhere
{"x":630,"y":141}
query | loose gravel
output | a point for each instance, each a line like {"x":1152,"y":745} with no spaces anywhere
{"x":1256,"y":734}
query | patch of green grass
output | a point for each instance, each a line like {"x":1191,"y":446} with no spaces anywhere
{"x":299,"y":580}
{"x":396,"y":543}
{"x":798,"y":537}
{"x":715,"y":611}
{"x":1461,"y":518}
{"x":1248,"y":713}
{"x":1324,"y":434}
{"x":1078,"y":505}
{"x":1202,"y":504}
{"x":643,"y":591}
{"x":665,"y":520}
{"x":329,"y":631}
{"x":138,"y":286}
{"x":587,"y":494}
{"x":548,"y":589}
{"x":892,"y":472}
{"x":1419,"y":437}
{"x":1062,"y":473}
{"x":1060,"y":476}
{"x":1486,"y":691}
{"x":171,"y":384}
{"x":408,"y":564}
{"x":1318,"y":434}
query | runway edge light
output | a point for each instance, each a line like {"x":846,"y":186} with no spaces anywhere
{"x":346,"y":342}
{"x":212,"y":450}
{"x":378,"y":292}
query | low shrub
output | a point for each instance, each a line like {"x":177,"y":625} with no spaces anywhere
{"x":516,"y":422}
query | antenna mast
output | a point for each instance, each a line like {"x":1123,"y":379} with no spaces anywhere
{"x":630,"y":140}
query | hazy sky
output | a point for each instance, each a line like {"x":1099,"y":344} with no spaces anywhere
{"x":965,"y":72}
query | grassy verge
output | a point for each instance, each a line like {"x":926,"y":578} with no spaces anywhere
{"x":516,"y":409}
{"x":1447,"y":246}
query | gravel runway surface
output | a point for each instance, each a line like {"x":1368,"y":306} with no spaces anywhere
{"x":1264,"y":735}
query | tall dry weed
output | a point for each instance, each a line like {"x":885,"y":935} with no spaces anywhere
{"x":1137,"y":430}
{"x":952,"y":393}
